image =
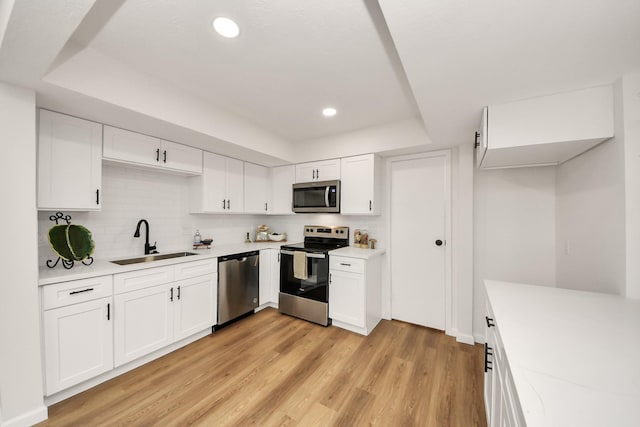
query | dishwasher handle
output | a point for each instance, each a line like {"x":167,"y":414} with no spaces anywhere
{"x":239,"y":257}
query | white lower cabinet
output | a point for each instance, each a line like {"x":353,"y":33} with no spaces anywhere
{"x":501,"y":404}
{"x":77,"y":331}
{"x":92,"y":325}
{"x":269,"y":277}
{"x":174,"y":305}
{"x":355,"y":293}
{"x":196,"y":306}
{"x":144,"y":322}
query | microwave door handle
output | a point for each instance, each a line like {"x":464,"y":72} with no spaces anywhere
{"x":326,"y":196}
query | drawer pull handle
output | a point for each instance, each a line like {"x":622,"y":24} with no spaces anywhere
{"x":490,"y":321}
{"x":488,"y":364}
{"x":79,"y":292}
{"x":345,"y":264}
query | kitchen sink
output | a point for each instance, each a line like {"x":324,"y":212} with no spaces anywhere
{"x":150,"y":258}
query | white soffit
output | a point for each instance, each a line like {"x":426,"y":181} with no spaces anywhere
{"x":462,"y":55}
{"x":291,"y":59}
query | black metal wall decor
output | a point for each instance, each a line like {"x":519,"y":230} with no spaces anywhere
{"x":70,"y":242}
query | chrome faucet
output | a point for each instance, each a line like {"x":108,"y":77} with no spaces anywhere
{"x":148,"y":249}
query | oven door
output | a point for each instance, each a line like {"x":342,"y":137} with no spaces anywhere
{"x":315,"y":286}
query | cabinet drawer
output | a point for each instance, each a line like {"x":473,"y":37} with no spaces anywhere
{"x":140,"y":279}
{"x":196,"y":268}
{"x":75,"y":291}
{"x":353,"y":265}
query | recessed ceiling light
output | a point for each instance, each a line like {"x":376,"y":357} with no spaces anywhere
{"x":329,"y":112}
{"x":226,"y":27}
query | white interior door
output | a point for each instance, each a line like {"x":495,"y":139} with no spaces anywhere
{"x":419,"y":198}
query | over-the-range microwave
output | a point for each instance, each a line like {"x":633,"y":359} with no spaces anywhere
{"x":316,"y":197}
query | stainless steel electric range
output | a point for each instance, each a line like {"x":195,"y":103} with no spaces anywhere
{"x":304,"y":273}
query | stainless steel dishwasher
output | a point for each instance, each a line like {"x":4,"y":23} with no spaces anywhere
{"x":238,"y":285}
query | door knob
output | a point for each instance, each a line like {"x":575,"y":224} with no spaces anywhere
{"x":439,"y":242}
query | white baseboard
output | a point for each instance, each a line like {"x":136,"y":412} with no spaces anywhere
{"x":27,"y":419}
{"x":479,"y":338}
{"x":465,"y":339}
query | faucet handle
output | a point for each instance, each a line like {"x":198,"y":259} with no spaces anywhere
{"x":152,"y":248}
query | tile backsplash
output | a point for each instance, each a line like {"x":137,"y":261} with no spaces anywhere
{"x":130,"y":194}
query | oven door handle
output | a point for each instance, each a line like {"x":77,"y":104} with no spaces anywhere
{"x":309,"y":254}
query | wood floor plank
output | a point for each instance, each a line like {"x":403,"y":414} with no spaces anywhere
{"x":274,"y":370}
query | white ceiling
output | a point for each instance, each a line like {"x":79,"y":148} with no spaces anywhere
{"x":292,"y":59}
{"x":377,"y":62}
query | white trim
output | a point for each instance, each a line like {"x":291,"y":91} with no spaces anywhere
{"x":386,"y":311}
{"x":27,"y":419}
{"x":466,"y":339}
{"x":479,"y":338}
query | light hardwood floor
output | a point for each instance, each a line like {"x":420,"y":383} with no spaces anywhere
{"x":272,"y":370}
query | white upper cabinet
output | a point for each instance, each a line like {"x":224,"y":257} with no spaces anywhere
{"x":220,"y":188}
{"x":256,"y":189}
{"x":282,"y":179}
{"x":69,"y":163}
{"x":180,"y":157}
{"x":360,"y":185}
{"x":324,"y":170}
{"x":124,"y":146}
{"x":547,"y":130}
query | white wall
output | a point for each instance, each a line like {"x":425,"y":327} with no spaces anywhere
{"x":21,"y":401}
{"x":463,"y":164}
{"x":631,"y":123}
{"x":385,"y":139}
{"x":590,"y":215}
{"x":514,"y":231}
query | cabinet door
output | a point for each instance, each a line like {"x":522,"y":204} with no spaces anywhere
{"x":306,"y":172}
{"x":69,"y":163}
{"x":143,"y":322}
{"x":482,"y":142}
{"x":195,"y":305}
{"x":357,"y":185}
{"x":328,"y":170}
{"x":256,"y":189}
{"x":78,"y":343}
{"x":235,"y":185}
{"x":181,"y":157}
{"x":346,"y":297}
{"x":265,"y":276}
{"x":282,"y":179}
{"x":213,"y":191}
{"x":275,"y":275}
{"x":131,"y":147}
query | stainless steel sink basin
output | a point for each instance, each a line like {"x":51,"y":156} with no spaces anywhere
{"x":150,"y":258}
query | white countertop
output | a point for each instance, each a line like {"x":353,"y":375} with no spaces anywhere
{"x":574,"y":356}
{"x":101,"y":267}
{"x":352,"y":252}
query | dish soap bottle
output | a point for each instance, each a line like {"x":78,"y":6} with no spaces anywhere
{"x":197,"y":238}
